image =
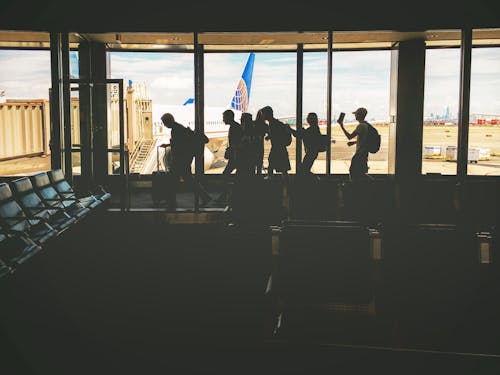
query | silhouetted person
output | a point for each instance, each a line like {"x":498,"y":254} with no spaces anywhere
{"x":280,"y":136}
{"x":359,"y":162}
{"x":184,"y":146}
{"x":247,"y":156}
{"x":313,"y":139}
{"x":261,"y":129}
{"x":233,"y":143}
{"x":235,"y":134}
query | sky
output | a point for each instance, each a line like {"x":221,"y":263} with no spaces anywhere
{"x":359,"y":79}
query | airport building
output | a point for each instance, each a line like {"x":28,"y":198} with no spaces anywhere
{"x":113,"y":261}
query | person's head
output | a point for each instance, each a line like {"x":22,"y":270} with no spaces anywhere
{"x":259,"y":116}
{"x":267,"y":113}
{"x":360,"y":113}
{"x":228,"y":116}
{"x":246,"y":119}
{"x":168,"y":120}
{"x":312,"y":118}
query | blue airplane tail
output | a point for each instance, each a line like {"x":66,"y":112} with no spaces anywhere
{"x":241,"y":97}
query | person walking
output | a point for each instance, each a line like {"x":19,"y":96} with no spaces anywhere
{"x":281,"y":137}
{"x":314,"y":142}
{"x":261,"y":130}
{"x":184,"y":144}
{"x":359,"y":162}
{"x":247,"y":158}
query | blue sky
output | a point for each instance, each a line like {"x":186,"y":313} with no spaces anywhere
{"x":359,"y":79}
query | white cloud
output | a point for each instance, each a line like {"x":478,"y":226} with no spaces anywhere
{"x":25,"y":74}
{"x":359,"y":78}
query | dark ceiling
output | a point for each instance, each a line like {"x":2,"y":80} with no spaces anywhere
{"x":248,"y":15}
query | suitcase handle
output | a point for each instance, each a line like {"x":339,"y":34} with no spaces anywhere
{"x":158,"y":157}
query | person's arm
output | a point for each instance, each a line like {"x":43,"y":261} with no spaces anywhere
{"x":347,"y":134}
{"x":294,"y":131}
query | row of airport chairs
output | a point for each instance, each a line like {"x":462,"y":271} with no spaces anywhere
{"x":35,"y":209}
{"x":412,"y":272}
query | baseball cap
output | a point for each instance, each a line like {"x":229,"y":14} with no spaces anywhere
{"x":362,"y":111}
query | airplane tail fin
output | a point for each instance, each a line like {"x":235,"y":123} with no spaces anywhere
{"x":241,"y":96}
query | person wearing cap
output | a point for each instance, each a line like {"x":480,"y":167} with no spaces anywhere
{"x":359,"y":161}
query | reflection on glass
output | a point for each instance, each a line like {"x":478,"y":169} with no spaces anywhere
{"x":484,"y":120}
{"x":441,"y":97}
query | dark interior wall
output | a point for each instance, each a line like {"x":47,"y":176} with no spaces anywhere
{"x":221,"y":15}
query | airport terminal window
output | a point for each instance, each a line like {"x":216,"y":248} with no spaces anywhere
{"x":360,"y":79}
{"x":315,"y":97}
{"x":484,"y":120}
{"x":75,"y":132}
{"x":155,"y":83}
{"x":271,"y":82}
{"x":441,"y":99}
{"x":24,"y":111}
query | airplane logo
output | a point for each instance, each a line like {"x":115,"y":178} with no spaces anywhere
{"x":241,"y":97}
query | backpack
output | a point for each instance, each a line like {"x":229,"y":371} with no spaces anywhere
{"x":323,"y":143}
{"x":197,"y":140}
{"x":372,"y":139}
{"x":287,"y":136}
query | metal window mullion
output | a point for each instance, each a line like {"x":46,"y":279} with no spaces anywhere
{"x":464,"y":105}
{"x":66,"y":94}
{"x":55,"y":101}
{"x":299,"y":96}
{"x":329,"y":104}
{"x":199,"y":108}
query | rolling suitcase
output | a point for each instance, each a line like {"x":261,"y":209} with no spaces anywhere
{"x":163,"y":188}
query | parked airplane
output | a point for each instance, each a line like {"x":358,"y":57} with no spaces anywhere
{"x":214,"y":126}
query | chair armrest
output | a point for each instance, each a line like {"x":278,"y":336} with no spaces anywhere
{"x":269,"y":285}
{"x":15,"y":233}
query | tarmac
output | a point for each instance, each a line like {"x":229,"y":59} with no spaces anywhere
{"x":439,"y":136}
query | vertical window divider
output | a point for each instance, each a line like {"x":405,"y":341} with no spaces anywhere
{"x":464,"y":105}
{"x":199,"y":110}
{"x":298,"y":115}
{"x":329,"y":104}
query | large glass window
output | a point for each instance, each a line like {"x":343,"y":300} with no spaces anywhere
{"x":484,"y":123}
{"x":155,"y":83}
{"x":271,"y":83}
{"x":441,"y":96}
{"x":315,"y":97}
{"x":24,"y":111}
{"x":360,"y":79}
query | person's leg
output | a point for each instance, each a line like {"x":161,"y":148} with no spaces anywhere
{"x":195,"y":186}
{"x":173,"y":189}
{"x":358,"y":168}
{"x":230,"y":167}
{"x":308,"y":161}
{"x":260,"y":158}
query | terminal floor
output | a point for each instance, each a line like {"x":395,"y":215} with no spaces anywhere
{"x":183,"y":299}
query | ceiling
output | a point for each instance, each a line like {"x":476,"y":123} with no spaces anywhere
{"x":214,"y":41}
{"x":98,"y":16}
